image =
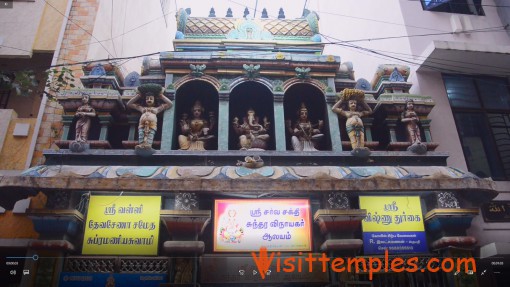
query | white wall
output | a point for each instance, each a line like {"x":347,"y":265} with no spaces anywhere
{"x":441,"y":22}
{"x":18,"y":28}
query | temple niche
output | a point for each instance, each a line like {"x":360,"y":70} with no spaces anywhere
{"x":306,"y":124}
{"x":246,"y":133}
{"x":196,"y":117}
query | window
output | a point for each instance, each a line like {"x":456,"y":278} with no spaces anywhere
{"x":473,"y":7}
{"x":481,"y":108}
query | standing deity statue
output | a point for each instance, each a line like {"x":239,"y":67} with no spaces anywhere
{"x":252,"y":134}
{"x":84,"y":114}
{"x":357,"y":108}
{"x":147,"y":126}
{"x":305,"y":135}
{"x":196,"y":132}
{"x":411,"y":120}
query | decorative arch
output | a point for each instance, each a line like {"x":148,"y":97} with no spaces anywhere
{"x":314,"y":100}
{"x":205,"y":78}
{"x":239,"y":80}
{"x":256,"y":95}
{"x":294,"y":81}
{"x":188,"y":92}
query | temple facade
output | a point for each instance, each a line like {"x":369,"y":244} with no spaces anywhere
{"x":246,"y":137}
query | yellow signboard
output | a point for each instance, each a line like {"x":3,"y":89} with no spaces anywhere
{"x":392,"y":213}
{"x":122,"y":225}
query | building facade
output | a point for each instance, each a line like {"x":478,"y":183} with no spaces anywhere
{"x":243,"y":137}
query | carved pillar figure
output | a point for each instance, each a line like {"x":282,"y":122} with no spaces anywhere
{"x":353,"y":107}
{"x":147,"y":124}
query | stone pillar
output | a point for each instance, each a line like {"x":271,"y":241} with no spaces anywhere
{"x":392,"y":124}
{"x":223,"y":121}
{"x":105,"y":122}
{"x":426,"y":128}
{"x":67,"y":121}
{"x":334,"y":126}
{"x":167,"y":134}
{"x":367,"y":122}
{"x":339,"y":225}
{"x":279,"y":123}
{"x":133,"y":123}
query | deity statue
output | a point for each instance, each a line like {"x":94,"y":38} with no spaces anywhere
{"x":147,"y":126}
{"x":305,"y":135}
{"x":195,"y":133}
{"x":84,"y":113}
{"x":357,"y":108}
{"x":410,"y":118}
{"x":252,"y":134}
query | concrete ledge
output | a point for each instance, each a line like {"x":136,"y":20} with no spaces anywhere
{"x":184,"y":247}
{"x":341,"y":244}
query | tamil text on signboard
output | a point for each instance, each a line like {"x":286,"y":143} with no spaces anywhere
{"x":394,"y":223}
{"x":122,"y":225}
{"x":247,"y":225}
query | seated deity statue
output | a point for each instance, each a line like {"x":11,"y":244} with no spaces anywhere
{"x":305,"y":135}
{"x":252,"y":134}
{"x":196,"y":132}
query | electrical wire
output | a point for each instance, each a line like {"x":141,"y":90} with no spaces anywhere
{"x":79,"y":27}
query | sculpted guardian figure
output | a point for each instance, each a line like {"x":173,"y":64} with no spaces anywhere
{"x":148,"y":123}
{"x":355,"y":110}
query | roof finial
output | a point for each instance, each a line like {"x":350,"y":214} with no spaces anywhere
{"x":212,"y":13}
{"x":229,"y":13}
{"x":281,"y":14}
{"x":246,"y":12}
{"x":264,"y":13}
{"x":188,"y":11}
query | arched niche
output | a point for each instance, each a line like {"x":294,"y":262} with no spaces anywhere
{"x":251,"y":95}
{"x":315,"y":102}
{"x":94,"y":130}
{"x":185,"y":97}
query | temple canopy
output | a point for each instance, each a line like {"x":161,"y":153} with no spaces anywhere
{"x":218,"y":31}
